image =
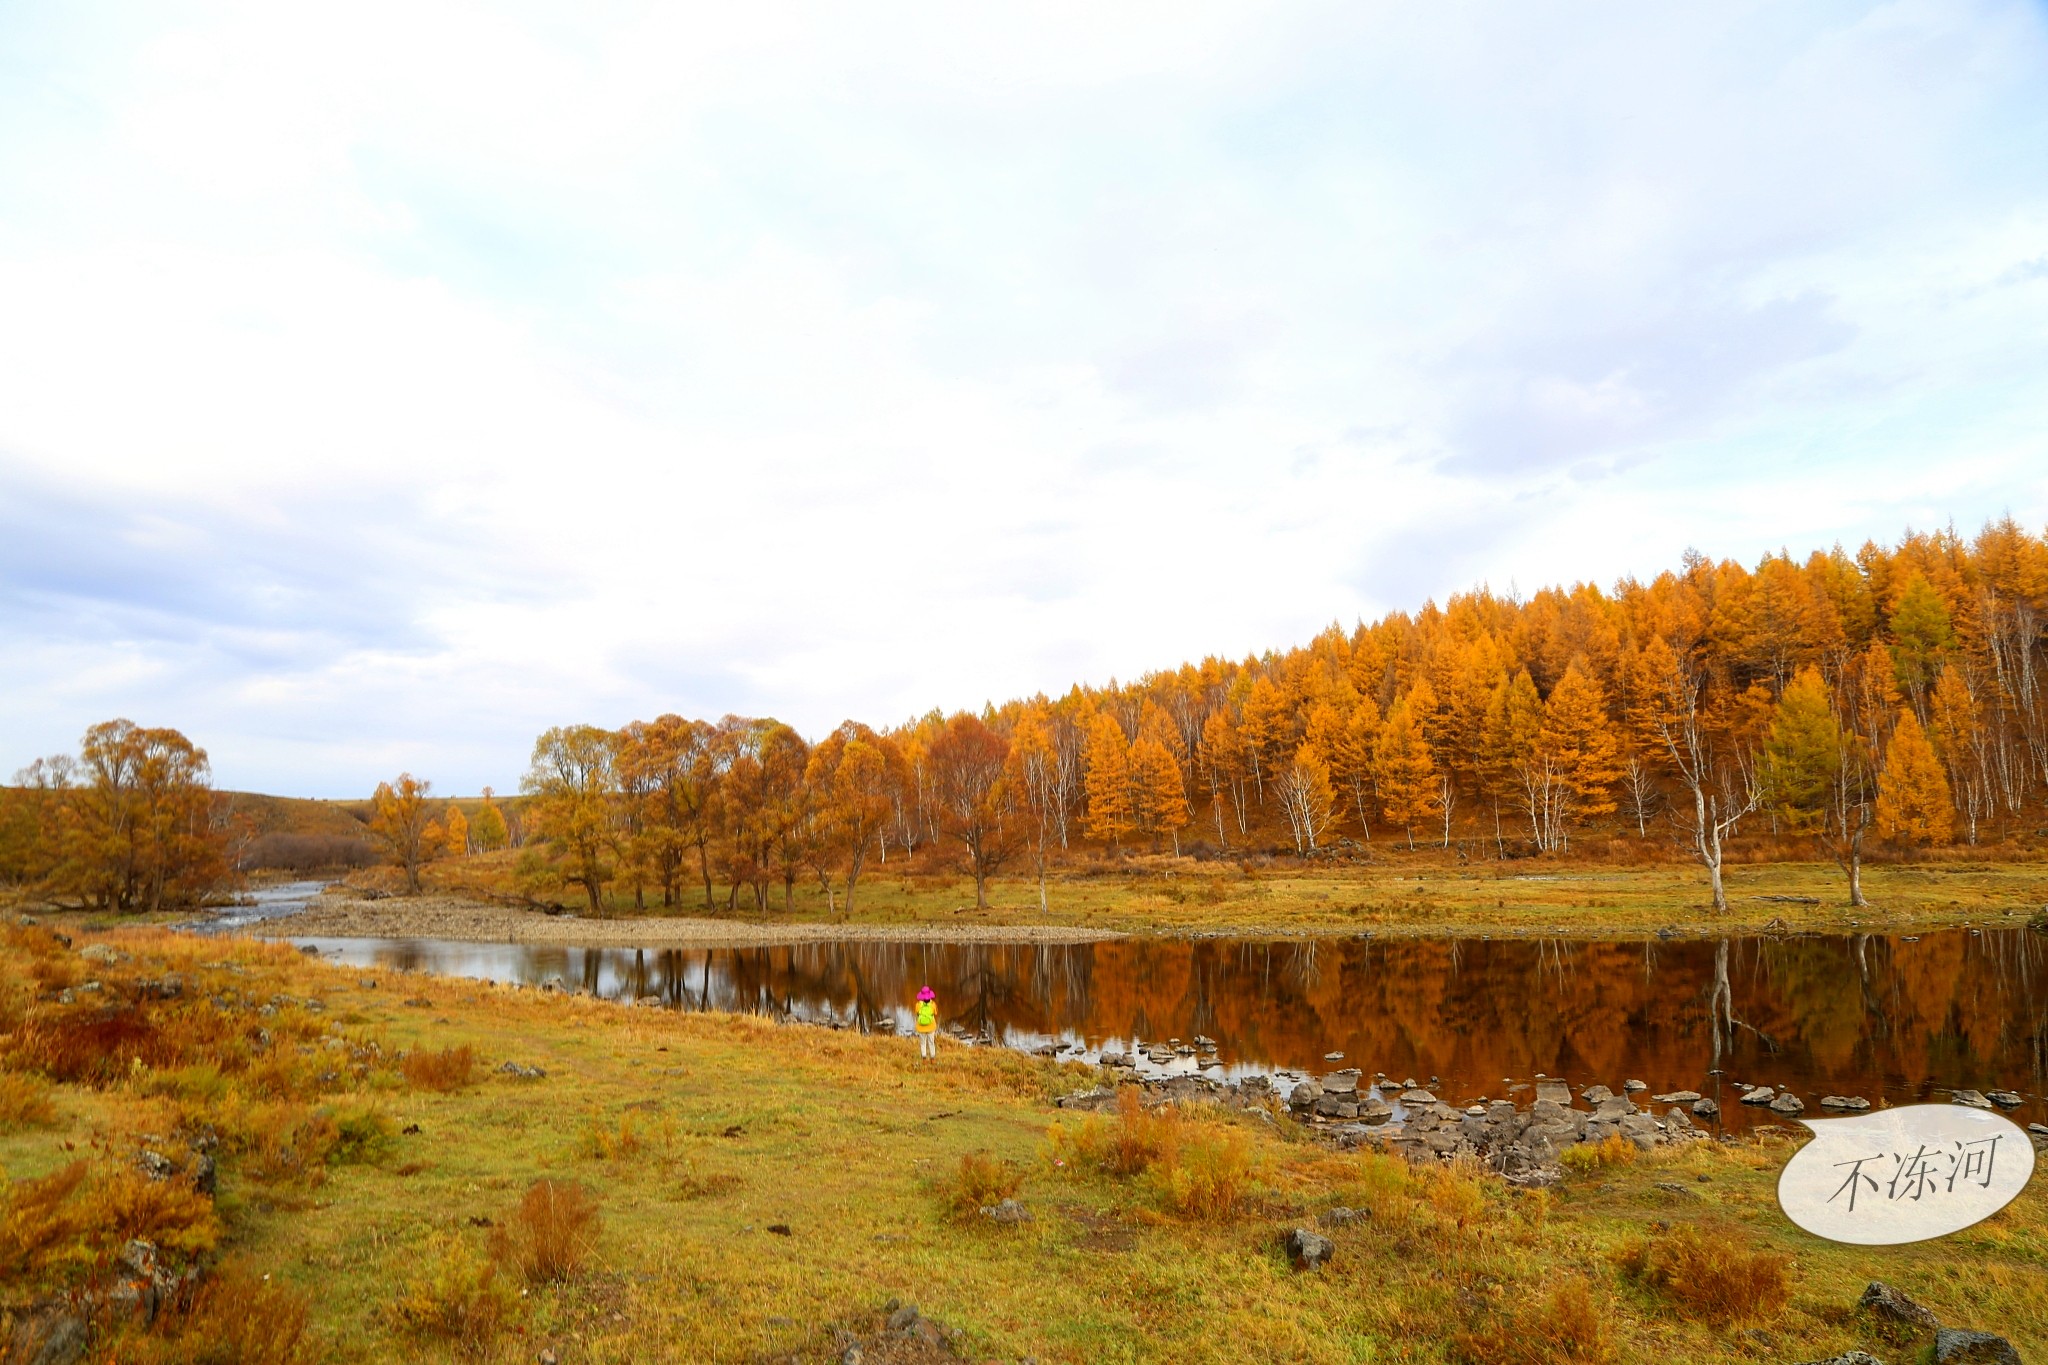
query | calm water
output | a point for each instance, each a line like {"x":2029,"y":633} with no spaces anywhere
{"x":1894,"y":1020}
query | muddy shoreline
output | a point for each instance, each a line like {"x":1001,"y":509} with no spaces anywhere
{"x":342,"y":913}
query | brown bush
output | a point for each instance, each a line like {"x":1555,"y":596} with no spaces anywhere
{"x":1713,"y":1277}
{"x":984,"y":1179}
{"x":549,"y":1236}
{"x":1563,"y":1325}
{"x":24,"y":1102}
{"x":238,"y":1318}
{"x":451,"y":1068}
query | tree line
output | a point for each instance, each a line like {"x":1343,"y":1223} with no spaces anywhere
{"x":1891,"y":699}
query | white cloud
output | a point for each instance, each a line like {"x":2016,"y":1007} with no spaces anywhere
{"x":379,"y":387}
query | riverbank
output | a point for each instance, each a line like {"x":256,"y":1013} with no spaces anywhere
{"x":767,"y":1192}
{"x":1234,"y":901}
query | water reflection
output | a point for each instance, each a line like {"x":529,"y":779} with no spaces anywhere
{"x":1891,"y":1019}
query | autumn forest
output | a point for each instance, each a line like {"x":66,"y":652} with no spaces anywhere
{"x":1876,"y":705}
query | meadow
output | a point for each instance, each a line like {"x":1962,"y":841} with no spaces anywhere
{"x":394,"y":1180}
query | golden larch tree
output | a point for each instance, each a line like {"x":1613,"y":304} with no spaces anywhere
{"x":1108,"y":784}
{"x":1913,"y":805}
{"x":1407,"y":772}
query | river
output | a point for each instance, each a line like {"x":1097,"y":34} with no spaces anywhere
{"x":1893,"y":1019}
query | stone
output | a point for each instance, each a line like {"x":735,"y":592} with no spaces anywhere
{"x":1309,"y":1250}
{"x":1956,"y":1346}
{"x":1557,"y":1092}
{"x":1305,"y":1095}
{"x":1762,"y":1094}
{"x":1414,"y":1096}
{"x":903,"y":1317}
{"x":2004,"y":1099}
{"x":155,"y":1165}
{"x":1851,"y":1102}
{"x":853,"y":1355}
{"x":1849,"y":1358}
{"x":1705,"y":1108}
{"x":1678,"y":1097}
{"x":1009,"y":1212}
{"x":521,"y":1071}
{"x":1341,"y":1217}
{"x":205,"y":1175}
{"x":1632,"y":1086}
{"x":1894,"y":1311}
{"x":102,"y":954}
{"x":1788,"y":1103}
{"x":1596,"y":1094}
{"x":1973,"y":1098}
{"x":1341,"y":1082}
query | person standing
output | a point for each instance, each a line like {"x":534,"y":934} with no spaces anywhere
{"x":927,"y":1024}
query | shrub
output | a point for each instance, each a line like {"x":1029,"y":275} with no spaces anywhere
{"x":24,"y":1102}
{"x":79,"y":1216}
{"x":363,"y":1135}
{"x":1612,"y":1150}
{"x":1715,"y":1278}
{"x":451,"y":1068}
{"x":459,"y":1299}
{"x":1126,"y":1145}
{"x":551,"y":1233}
{"x":238,"y":1318}
{"x":1207,"y":1173}
{"x":1454,"y":1195}
{"x":1562,"y":1325}
{"x":984,"y":1179}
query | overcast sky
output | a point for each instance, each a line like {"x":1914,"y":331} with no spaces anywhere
{"x":381,"y":384}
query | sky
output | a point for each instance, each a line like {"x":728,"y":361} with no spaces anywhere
{"x":383,"y":384}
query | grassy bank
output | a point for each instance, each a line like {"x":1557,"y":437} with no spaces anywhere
{"x":762,"y":1192}
{"x":1419,"y":896}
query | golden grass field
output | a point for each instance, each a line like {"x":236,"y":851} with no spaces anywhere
{"x":762,"y":1192}
{"x":1422,"y":894}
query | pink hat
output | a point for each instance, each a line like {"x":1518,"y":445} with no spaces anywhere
{"x":926,"y":994}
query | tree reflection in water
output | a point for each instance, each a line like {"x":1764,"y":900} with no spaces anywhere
{"x":1887,"y":1018}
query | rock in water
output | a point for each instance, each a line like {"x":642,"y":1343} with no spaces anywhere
{"x":1955,"y":1346}
{"x":1763,"y":1094}
{"x":1705,"y":1108}
{"x":2004,"y":1099}
{"x":1897,"y":1315}
{"x":1309,"y":1250}
{"x":1854,"y":1102}
{"x":1970,"y":1097}
{"x":1787,"y":1103}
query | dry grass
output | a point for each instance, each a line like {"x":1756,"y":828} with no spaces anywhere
{"x":1196,"y":1168}
{"x":448,"y":1069}
{"x":459,"y":1299}
{"x":238,"y":1318}
{"x":551,"y":1234}
{"x":1561,"y":1326}
{"x":78,"y":1216}
{"x":1612,"y":1150}
{"x":24,"y":1102}
{"x":1715,"y":1277}
{"x":982,"y":1180}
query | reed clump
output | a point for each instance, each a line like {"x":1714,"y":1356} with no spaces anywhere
{"x":1715,"y":1277}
